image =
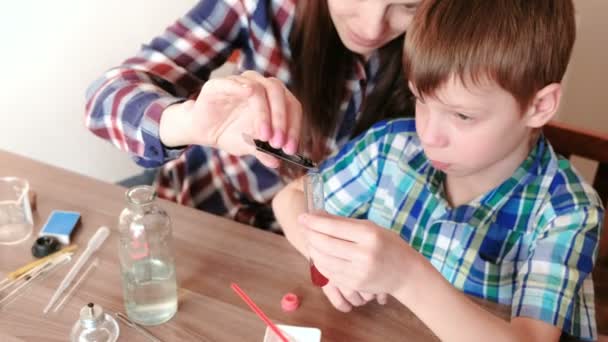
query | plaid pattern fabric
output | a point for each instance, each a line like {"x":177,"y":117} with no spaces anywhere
{"x":125,"y":105}
{"x":531,"y":242}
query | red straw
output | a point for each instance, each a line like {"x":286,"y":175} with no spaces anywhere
{"x":258,"y":312}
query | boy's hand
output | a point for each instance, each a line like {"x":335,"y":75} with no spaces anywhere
{"x":344,"y":299}
{"x":358,"y":254}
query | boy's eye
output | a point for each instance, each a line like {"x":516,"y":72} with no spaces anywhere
{"x":463,"y":117}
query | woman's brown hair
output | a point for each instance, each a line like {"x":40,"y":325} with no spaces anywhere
{"x":321,"y":66}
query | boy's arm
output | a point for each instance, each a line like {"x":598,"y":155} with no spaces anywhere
{"x":553,"y":289}
{"x":457,"y":312}
{"x":287,"y":205}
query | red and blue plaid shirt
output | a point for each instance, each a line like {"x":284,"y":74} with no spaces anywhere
{"x":126,"y":104}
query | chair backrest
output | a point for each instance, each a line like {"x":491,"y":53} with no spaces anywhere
{"x":568,"y":140}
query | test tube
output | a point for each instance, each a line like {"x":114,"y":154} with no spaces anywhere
{"x":313,"y":191}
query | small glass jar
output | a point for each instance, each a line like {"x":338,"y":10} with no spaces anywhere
{"x":146,"y":259}
{"x":94,"y":325}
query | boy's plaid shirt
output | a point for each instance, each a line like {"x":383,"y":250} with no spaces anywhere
{"x":125,"y":105}
{"x":530,"y":243}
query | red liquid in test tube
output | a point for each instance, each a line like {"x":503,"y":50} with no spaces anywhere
{"x":317,"y":278}
{"x":313,"y":190}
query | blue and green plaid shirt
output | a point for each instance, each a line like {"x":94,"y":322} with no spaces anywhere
{"x":530,"y":243}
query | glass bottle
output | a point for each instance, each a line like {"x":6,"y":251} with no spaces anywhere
{"x":313,"y":191}
{"x":146,"y":259}
{"x":94,"y":325}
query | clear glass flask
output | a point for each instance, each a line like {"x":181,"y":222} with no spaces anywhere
{"x":94,"y":325}
{"x":146,"y":259}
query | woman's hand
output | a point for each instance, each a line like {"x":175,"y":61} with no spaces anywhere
{"x":358,"y":254}
{"x":229,"y":107}
{"x":344,"y":299}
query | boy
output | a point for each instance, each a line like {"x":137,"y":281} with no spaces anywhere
{"x":473,"y":197}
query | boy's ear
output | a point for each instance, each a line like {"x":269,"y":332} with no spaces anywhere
{"x":544,"y":105}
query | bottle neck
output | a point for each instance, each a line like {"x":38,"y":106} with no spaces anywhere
{"x":140,"y":196}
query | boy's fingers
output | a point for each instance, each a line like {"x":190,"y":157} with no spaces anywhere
{"x":332,"y":247}
{"x":367,"y":296}
{"x":382,"y":298}
{"x":353,"y":297}
{"x":335,"y":226}
{"x":335,"y":298}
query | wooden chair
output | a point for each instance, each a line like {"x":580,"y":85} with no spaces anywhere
{"x":570,"y":141}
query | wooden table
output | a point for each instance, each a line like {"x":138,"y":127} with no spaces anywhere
{"x":211,"y":252}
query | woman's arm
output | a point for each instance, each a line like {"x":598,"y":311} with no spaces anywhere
{"x":125,"y":105}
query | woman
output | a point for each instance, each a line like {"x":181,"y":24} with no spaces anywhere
{"x":319,"y":72}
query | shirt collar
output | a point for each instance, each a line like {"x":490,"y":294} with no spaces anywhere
{"x":484,"y":206}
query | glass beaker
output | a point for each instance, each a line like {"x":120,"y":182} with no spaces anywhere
{"x":146,"y":259}
{"x":16,"y":223}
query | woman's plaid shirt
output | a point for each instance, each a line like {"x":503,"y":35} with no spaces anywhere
{"x":530,"y":243}
{"x":125,"y":105}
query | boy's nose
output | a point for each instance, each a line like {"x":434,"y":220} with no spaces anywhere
{"x":431,"y":133}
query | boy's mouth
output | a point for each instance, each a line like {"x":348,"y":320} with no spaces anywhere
{"x":439,"y":165}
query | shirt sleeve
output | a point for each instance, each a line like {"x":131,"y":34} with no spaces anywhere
{"x":350,"y":177}
{"x":125,"y":105}
{"x":555,"y":284}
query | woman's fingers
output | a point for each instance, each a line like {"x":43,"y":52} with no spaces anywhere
{"x":258,"y":106}
{"x":228,"y":86}
{"x":267,"y":160}
{"x":251,"y":104}
{"x":276,"y":97}
{"x":294,"y":109}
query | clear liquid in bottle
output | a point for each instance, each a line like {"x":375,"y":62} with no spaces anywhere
{"x":146,"y":258}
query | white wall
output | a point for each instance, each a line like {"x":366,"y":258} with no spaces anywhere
{"x":51,"y":51}
{"x":585,"y":100}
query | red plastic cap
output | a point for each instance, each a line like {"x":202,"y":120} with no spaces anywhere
{"x":290,"y":302}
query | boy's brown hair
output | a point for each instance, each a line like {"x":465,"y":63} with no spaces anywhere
{"x":522,"y":45}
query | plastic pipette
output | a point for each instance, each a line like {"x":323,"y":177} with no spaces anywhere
{"x":96,"y":240}
{"x":92,"y":265}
